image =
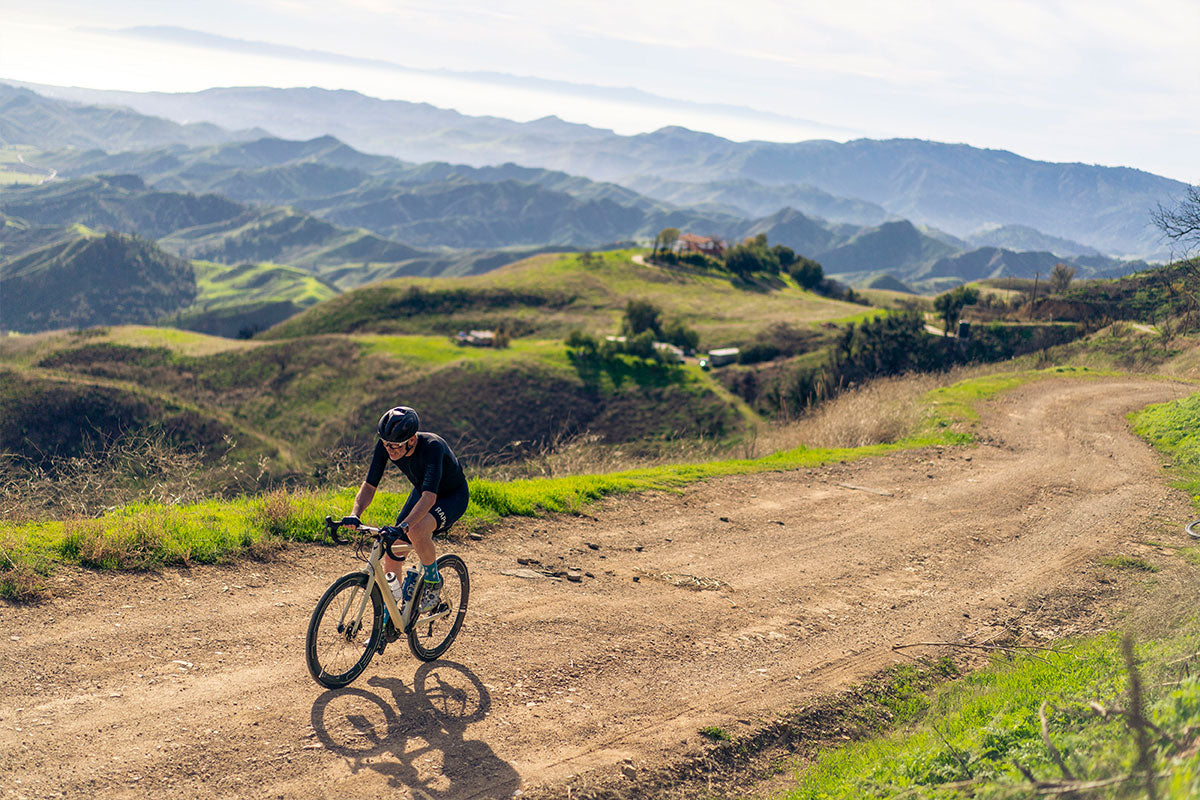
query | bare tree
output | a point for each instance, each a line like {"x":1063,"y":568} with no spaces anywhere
{"x":1060,"y":277}
{"x":1181,"y":222}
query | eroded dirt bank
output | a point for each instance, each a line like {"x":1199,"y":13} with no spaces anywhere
{"x":192,"y":683}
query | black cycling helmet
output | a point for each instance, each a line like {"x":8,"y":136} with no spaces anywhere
{"x":398,"y":424}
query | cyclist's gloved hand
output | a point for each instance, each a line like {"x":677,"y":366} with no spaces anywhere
{"x":351,"y":522}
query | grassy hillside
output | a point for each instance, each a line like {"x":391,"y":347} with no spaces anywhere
{"x":550,"y":295}
{"x":15,"y":169}
{"x":93,"y":280}
{"x":311,"y":396}
{"x":238,"y":301}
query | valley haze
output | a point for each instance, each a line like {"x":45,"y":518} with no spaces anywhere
{"x":1101,"y":83}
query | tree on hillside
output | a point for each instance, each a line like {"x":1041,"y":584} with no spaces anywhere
{"x":681,"y":335}
{"x":752,"y":255}
{"x":808,"y":273}
{"x":1181,"y":223}
{"x":1060,"y":277}
{"x":949,"y":306}
{"x":666,"y":239}
{"x":641,"y":316}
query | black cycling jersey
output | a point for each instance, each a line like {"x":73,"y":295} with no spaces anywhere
{"x":431,"y":467}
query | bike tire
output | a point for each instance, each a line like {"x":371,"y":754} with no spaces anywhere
{"x":328,"y":648}
{"x":428,"y":639}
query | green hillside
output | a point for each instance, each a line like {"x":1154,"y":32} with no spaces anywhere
{"x":300,"y":399}
{"x":93,"y":280}
{"x":238,"y":301}
{"x":553,"y":294}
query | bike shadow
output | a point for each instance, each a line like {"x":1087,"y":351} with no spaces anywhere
{"x":414,"y":735}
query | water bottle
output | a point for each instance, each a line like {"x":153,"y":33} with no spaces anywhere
{"x":410,"y":581}
{"x":394,"y":585}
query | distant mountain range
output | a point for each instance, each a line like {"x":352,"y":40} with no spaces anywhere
{"x":312,"y":189}
{"x":30,"y":118}
{"x":347,"y":218}
{"x":953,"y":187}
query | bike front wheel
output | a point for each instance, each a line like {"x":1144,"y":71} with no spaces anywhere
{"x":344,"y":631}
{"x":431,"y":634}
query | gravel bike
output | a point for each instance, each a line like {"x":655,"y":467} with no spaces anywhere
{"x":343,"y":635}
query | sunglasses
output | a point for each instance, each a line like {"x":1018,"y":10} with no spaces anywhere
{"x":393,"y":447}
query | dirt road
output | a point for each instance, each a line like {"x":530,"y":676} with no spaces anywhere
{"x":192,"y":683}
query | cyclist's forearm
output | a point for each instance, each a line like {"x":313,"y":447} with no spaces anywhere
{"x":366,"y":493}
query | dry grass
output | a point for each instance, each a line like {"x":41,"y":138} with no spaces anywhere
{"x":146,"y":469}
{"x":278,"y":515}
{"x":132,"y":547}
{"x":131,"y":468}
{"x":883,"y":411}
{"x":880,"y":412}
{"x":587,"y":455}
{"x":21,"y":579}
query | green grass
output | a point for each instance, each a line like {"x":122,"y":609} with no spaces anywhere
{"x":1174,"y":429}
{"x":715,"y":734}
{"x":1130,"y":562}
{"x":980,"y":735}
{"x":12,"y":171}
{"x":146,"y":535}
{"x":440,"y":350}
{"x":222,"y":286}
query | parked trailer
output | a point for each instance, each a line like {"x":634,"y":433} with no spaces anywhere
{"x":722,"y":356}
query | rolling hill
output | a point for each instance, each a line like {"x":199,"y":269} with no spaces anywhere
{"x":954,"y":187}
{"x":93,"y":279}
{"x":550,"y":295}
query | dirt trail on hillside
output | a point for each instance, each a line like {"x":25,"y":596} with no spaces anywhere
{"x":191,"y":683}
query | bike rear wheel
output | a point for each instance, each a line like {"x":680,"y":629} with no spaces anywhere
{"x":432,"y":633}
{"x":340,"y":641}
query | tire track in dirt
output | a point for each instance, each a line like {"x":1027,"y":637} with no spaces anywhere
{"x":191,"y":683}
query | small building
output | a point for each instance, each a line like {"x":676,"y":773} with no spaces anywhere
{"x":475,"y":339}
{"x":669,"y":350}
{"x":723,"y":356}
{"x":705,"y":245}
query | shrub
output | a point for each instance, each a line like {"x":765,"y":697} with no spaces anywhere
{"x":579,"y":340}
{"x":752,"y":255}
{"x":680,"y":335}
{"x":641,"y":315}
{"x":759,"y":351}
{"x":807,"y":273}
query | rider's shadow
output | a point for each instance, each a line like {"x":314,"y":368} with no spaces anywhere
{"x":414,"y":735}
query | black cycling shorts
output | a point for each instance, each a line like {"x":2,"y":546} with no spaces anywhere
{"x":445,"y":511}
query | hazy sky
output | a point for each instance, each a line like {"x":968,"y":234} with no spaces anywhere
{"x":1103,"y":81}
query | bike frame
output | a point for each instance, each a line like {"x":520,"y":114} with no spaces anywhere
{"x":377,"y":575}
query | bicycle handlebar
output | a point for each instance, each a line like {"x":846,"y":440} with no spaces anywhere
{"x":389,"y":533}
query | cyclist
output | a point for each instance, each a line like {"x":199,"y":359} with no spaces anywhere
{"x":439,"y":495}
